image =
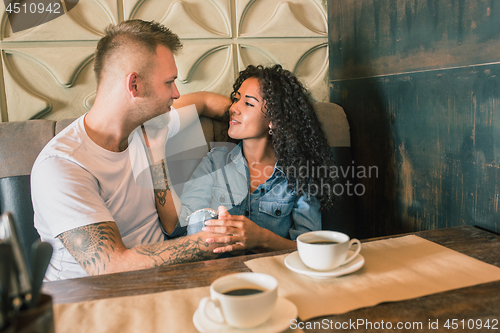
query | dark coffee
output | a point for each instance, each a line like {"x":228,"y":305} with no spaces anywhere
{"x":323,"y":242}
{"x":243,"y":291}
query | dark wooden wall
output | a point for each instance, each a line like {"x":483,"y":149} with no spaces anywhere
{"x":420,"y":83}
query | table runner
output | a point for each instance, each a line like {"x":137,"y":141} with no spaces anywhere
{"x":395,"y":269}
{"x":168,"y":311}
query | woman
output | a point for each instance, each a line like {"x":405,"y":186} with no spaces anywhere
{"x":260,"y":182}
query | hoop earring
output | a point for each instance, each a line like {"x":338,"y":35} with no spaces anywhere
{"x":271,"y":131}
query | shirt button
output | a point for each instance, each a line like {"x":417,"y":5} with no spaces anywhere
{"x":262,"y":190}
{"x":277,"y":212}
{"x":221,"y":199}
{"x":247,"y":213}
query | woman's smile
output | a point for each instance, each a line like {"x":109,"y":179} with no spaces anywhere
{"x":234,"y":122}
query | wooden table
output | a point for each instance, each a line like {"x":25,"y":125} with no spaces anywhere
{"x":477,"y":302}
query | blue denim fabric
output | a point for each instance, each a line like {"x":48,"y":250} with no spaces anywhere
{"x":272,"y":205}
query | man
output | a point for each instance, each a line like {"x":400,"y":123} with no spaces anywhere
{"x":87,"y":201}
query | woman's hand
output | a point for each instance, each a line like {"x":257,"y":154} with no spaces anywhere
{"x":237,"y":231}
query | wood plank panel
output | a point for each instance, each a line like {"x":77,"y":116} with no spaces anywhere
{"x":434,"y":137}
{"x":380,"y":37}
{"x":419,"y":81}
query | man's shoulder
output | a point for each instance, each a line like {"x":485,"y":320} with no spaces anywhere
{"x":62,"y":145}
{"x":69,"y":138}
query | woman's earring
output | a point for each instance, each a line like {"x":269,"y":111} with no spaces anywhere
{"x":270,"y":131}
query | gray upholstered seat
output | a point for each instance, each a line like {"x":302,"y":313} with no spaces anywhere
{"x":20,"y":143}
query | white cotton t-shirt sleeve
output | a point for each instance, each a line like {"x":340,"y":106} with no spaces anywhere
{"x":68,"y":197}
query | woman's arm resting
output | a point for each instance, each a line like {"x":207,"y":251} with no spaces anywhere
{"x":202,"y":103}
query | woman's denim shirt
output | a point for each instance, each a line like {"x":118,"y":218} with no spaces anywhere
{"x":273,"y":205}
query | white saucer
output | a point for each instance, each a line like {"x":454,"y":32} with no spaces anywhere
{"x":284,"y":311}
{"x":293,"y":262}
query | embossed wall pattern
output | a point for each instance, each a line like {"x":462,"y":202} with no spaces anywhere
{"x":46,"y":71}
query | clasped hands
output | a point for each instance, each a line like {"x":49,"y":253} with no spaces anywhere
{"x":237,"y":233}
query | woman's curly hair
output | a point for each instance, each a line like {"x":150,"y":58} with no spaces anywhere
{"x":298,"y":138}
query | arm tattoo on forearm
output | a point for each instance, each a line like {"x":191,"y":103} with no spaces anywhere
{"x":160,"y":182}
{"x":161,"y":195}
{"x":88,"y":245}
{"x":176,"y":251}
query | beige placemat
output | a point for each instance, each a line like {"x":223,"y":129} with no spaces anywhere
{"x":169,"y":311}
{"x":395,"y":269}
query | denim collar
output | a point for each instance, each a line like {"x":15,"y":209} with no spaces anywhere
{"x":236,"y":156}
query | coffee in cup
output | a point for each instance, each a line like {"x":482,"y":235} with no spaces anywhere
{"x":241,"y":300}
{"x":326,"y":250}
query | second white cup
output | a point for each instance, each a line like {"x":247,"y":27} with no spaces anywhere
{"x":326,"y":250}
{"x":241,"y":300}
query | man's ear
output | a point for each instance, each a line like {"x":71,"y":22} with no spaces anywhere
{"x":132,"y":84}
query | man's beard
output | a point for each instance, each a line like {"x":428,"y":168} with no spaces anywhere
{"x":160,"y":121}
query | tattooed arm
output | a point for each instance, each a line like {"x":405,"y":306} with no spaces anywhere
{"x":206,"y":104}
{"x":165,"y":197}
{"x":99,"y":249}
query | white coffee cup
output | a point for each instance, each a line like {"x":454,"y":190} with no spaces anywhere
{"x":242,"y":311}
{"x":317,"y":255}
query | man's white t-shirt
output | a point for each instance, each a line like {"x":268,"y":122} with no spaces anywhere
{"x":75,"y":182}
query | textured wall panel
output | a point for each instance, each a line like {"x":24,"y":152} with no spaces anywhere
{"x":47,"y":70}
{"x":188,"y":19}
{"x":308,"y":59}
{"x":86,"y":21}
{"x":274,"y":18}
{"x":3,"y":101}
{"x":20,"y":94}
{"x":312,"y":68}
{"x":41,"y":84}
{"x":206,"y":67}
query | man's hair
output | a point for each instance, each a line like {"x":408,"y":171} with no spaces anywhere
{"x":141,"y":34}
